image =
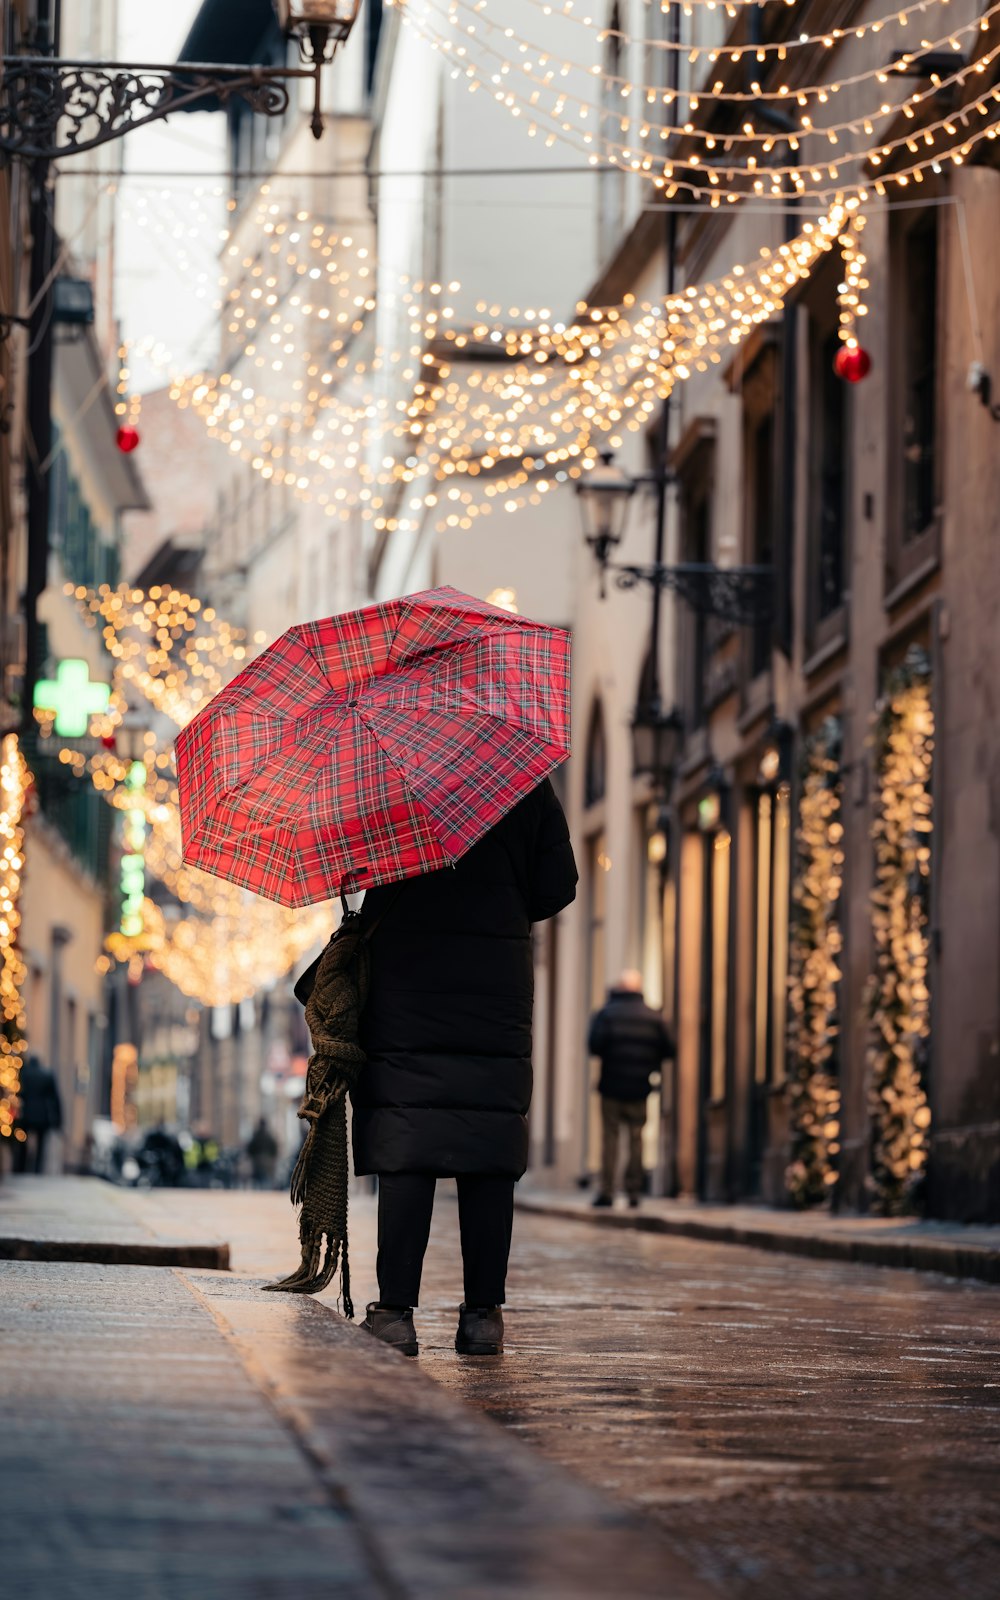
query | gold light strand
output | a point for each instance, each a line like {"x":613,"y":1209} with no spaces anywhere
{"x":850,"y":290}
{"x":534,"y":420}
{"x":128,"y":402}
{"x":221,"y":944}
{"x":814,"y":972}
{"x":901,"y":15}
{"x":14,"y":782}
{"x":701,"y":177}
{"x":899,"y":994}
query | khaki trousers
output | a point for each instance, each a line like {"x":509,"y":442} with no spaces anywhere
{"x":616,"y":1114}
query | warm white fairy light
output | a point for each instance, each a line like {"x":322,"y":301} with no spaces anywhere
{"x":175,"y":653}
{"x":463,"y":439}
{"x":128,"y":401}
{"x":552,"y":106}
{"x":850,"y":290}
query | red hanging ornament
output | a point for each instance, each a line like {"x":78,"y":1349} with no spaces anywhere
{"x":127,"y":438}
{"x":852,"y":363}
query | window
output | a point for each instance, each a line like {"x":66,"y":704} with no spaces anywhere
{"x":920,"y":380}
{"x":698,"y":636}
{"x":595,"y":773}
{"x":373,"y":28}
{"x":760,"y":396}
{"x":914,"y":489}
{"x":719,"y":863}
{"x":694,"y":627}
{"x":828,"y":458}
{"x":772,"y":890}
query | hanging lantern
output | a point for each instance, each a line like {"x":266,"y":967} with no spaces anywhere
{"x":127,"y":438}
{"x":852,"y":363}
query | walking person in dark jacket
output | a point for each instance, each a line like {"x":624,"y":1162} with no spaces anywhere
{"x":632,"y":1041}
{"x":446,"y":1085}
{"x":39,"y":1114}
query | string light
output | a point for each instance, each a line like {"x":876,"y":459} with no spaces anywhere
{"x":814,"y":971}
{"x":899,"y":994}
{"x":14,"y":783}
{"x":128,"y":401}
{"x":220,"y":944}
{"x":704,"y":175}
{"x":509,"y":430}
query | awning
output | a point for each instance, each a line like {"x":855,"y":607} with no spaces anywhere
{"x":227,"y":33}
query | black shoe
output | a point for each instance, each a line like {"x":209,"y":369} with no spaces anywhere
{"x":633,"y":1202}
{"x":480,"y":1331}
{"x":392,"y":1325}
{"x":602,"y":1200}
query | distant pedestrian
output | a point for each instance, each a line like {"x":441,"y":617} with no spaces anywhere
{"x":262,"y":1148}
{"x":632,"y":1041}
{"x":162,"y":1157}
{"x":201,"y":1158}
{"x":39,"y":1114}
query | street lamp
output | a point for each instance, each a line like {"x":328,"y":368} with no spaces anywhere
{"x":658,"y":842}
{"x":656,"y":742}
{"x":330,"y":19}
{"x":741,"y":595}
{"x":604,"y":494}
{"x":318,"y":26}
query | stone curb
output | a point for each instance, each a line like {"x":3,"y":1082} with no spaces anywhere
{"x":118,"y":1253}
{"x":451,"y":1505}
{"x":955,"y":1260}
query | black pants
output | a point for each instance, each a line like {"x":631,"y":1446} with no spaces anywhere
{"x":20,"y":1151}
{"x":485,"y":1219}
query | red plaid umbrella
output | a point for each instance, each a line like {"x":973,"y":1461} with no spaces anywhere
{"x":372,"y":746}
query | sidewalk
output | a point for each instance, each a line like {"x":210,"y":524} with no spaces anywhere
{"x":85,"y":1219}
{"x":951,"y":1248}
{"x":170,"y":1432}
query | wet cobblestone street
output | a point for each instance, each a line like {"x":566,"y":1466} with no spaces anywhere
{"x":795,"y":1427}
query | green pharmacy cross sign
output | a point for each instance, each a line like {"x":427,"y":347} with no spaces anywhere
{"x":73,"y":698}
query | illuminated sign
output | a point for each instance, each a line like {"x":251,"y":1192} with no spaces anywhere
{"x":133,"y":867}
{"x":72,"y":697}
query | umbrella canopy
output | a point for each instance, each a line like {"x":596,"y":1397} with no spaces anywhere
{"x":372,"y":746}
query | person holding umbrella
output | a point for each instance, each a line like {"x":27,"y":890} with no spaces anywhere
{"x":404,"y":749}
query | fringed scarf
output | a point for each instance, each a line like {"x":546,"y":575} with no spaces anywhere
{"x":320,"y":1179}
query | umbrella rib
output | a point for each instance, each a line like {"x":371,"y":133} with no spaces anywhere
{"x":415,"y":800}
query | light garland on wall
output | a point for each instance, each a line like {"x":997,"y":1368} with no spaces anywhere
{"x":814,"y":972}
{"x":899,"y":992}
{"x":14,"y":783}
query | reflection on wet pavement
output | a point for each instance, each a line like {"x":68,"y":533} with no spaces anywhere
{"x":799,"y":1427}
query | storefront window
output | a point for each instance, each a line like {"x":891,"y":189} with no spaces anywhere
{"x":721,"y":847}
{"x":771,"y":923}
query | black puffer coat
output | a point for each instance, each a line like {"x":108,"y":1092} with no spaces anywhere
{"x":447,"y":1025}
{"x":41,"y":1106}
{"x":632,"y":1040}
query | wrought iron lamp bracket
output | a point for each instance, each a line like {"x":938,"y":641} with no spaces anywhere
{"x":51,"y":108}
{"x":741,"y":595}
